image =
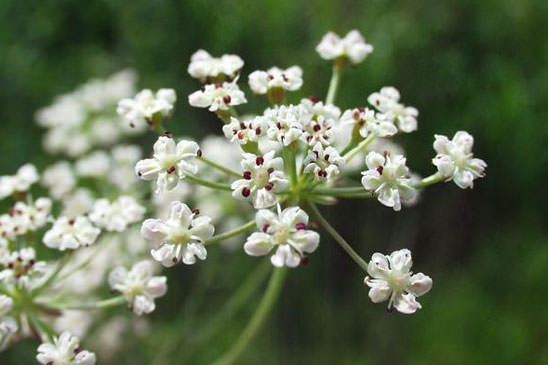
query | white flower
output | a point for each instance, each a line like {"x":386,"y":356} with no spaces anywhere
{"x":118,"y":215}
{"x":318,"y":108}
{"x":387,"y":102}
{"x":96,"y":164}
{"x":59,"y":179}
{"x":20,"y":182}
{"x":8,"y":324}
{"x":455,"y":159}
{"x":244,"y":131}
{"x":392,"y":280}
{"x":78,"y":203}
{"x":124,"y":158}
{"x":138,"y":286}
{"x":180,"y":237}
{"x":146,"y":106}
{"x":388,"y":178}
{"x":217,"y":96}
{"x":317,"y":130}
{"x":262,"y":81}
{"x":71,"y":233}
{"x":286,"y":231}
{"x":368,"y":122}
{"x":20,"y":267}
{"x":203,"y":65}
{"x":262,"y":177}
{"x":170,"y":163}
{"x":65,"y":350}
{"x":285,"y":122}
{"x":30,"y":217}
{"x":352,"y":46}
{"x":323,"y":163}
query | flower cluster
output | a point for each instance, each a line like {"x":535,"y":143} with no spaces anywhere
{"x":266,"y":172}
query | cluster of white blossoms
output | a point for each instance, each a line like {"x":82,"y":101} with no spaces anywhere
{"x":269,"y":171}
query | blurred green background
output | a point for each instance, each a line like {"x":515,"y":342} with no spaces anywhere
{"x":465,"y":64}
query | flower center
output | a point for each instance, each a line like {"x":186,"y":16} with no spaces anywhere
{"x":261,"y":177}
{"x":179,"y":235}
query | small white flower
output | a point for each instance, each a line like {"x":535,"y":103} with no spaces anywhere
{"x":30,"y":217}
{"x":244,"y":131}
{"x":146,"y":106}
{"x":386,"y":101}
{"x":8,"y":324}
{"x":65,"y":350}
{"x":20,"y":267}
{"x":59,"y":179}
{"x":286,"y":231}
{"x":138,"y":286}
{"x":317,"y":108}
{"x":203,"y":65}
{"x":96,"y":164}
{"x":352,"y":46}
{"x":285,"y":122}
{"x":20,"y":182}
{"x":180,"y":237}
{"x":323,"y":163}
{"x":368,"y":122}
{"x":71,"y":233}
{"x":262,"y":177}
{"x":118,"y":215}
{"x":392,"y":280}
{"x":455,"y":160}
{"x":124,"y":158}
{"x":388,"y":178}
{"x":217,"y":96}
{"x":317,"y":130}
{"x":170,"y":163}
{"x":290,"y":79}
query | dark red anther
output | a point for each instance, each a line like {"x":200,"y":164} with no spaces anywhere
{"x":242,"y":125}
{"x":259,"y":160}
{"x":196,"y":211}
{"x":247,"y":175}
{"x":326,"y":157}
{"x":300,"y":226}
{"x":285,"y":78}
{"x":174,"y":260}
{"x":171,"y":170}
{"x":241,"y":135}
{"x":71,"y":221}
{"x":313,"y":99}
{"x":139,"y":173}
{"x":10,"y":265}
{"x":278,"y":125}
{"x":199,"y":153}
{"x":246,"y":192}
{"x":316,"y":153}
{"x":31,"y":262}
{"x":11,"y":211}
{"x":317,"y":127}
{"x":77,"y":351}
{"x":389,"y":309}
{"x":168,"y":134}
{"x":304,"y":261}
{"x":227,"y":99}
{"x":258,"y":131}
{"x":265,"y":227}
{"x":269,"y":186}
{"x":362,"y":109}
{"x":270,"y":77}
{"x":380,"y":169}
{"x":270,"y":170}
{"x":218,"y":86}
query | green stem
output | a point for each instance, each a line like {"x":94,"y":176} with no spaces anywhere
{"x":360,"y":147}
{"x":44,"y":331}
{"x":207,"y":183}
{"x":334,"y":84}
{"x":432,"y":179}
{"x":53,"y":275}
{"x":288,"y":153}
{"x":267,"y":302}
{"x":111,"y":302}
{"x":215,"y":165}
{"x":234,"y":232}
{"x":337,"y":237}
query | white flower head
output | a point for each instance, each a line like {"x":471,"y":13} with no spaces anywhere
{"x":368,"y":122}
{"x":170,"y":163}
{"x":20,"y":182}
{"x":244,"y":131}
{"x":455,"y":160}
{"x":21,"y":268}
{"x":317,"y":130}
{"x":324,"y":163}
{"x":285,"y":122}
{"x":71,"y":233}
{"x":286,"y":231}
{"x":263,"y":177}
{"x":179,"y":238}
{"x":386,"y":101}
{"x":65,"y":350}
{"x":138,"y":286}
{"x":146,"y":106}
{"x":203,"y":66}
{"x":388,"y":178}
{"x":390,"y":279}
{"x":25,"y":218}
{"x":352,"y":46}
{"x":290,"y":79}
{"x":217,"y":96}
{"x":117,"y":215}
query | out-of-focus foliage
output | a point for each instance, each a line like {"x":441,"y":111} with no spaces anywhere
{"x":465,"y":64}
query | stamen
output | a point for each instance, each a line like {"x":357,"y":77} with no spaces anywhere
{"x":246,"y":192}
{"x":300,"y":226}
{"x":380,"y":169}
{"x":171,"y":170}
{"x":259,"y":160}
{"x":247,"y":175}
